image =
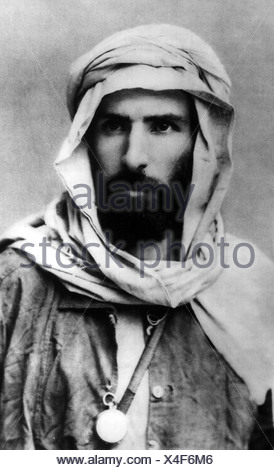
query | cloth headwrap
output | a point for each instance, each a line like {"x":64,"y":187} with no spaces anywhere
{"x":233,"y":305}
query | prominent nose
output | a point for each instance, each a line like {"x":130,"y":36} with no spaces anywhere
{"x":136,"y":151}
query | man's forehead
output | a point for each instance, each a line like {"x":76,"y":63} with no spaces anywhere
{"x":145,"y":102}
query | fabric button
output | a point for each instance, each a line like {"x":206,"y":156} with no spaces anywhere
{"x":112,"y":318}
{"x":157,"y":391}
{"x":154,"y":445}
{"x":149,"y":330}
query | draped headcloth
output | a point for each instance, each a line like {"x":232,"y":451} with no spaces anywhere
{"x":159,"y":57}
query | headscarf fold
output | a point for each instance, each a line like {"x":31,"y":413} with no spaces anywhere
{"x":161,"y":57}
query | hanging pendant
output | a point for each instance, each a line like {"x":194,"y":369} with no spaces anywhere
{"x":112,"y":424}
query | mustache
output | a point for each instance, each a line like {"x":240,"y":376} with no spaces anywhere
{"x":131,"y":178}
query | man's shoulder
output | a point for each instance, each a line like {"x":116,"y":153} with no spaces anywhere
{"x":23,"y":291}
{"x":34,"y":283}
{"x":246,"y":278}
{"x":17,"y":275}
{"x":13,"y":265}
{"x":245,"y":254}
{"x":248,"y":272}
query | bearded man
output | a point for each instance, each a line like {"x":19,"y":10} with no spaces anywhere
{"x":129,"y":319}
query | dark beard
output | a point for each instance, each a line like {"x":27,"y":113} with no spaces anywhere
{"x":137,"y":227}
{"x":132,"y":226}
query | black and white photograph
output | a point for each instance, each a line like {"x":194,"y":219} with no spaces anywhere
{"x":137,"y":229}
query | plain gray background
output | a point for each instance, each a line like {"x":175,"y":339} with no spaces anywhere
{"x":40,"y":39}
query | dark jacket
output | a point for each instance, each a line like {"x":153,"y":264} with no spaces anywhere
{"x":59,"y":352}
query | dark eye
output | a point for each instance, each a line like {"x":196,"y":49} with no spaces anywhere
{"x":114,"y":125}
{"x":163,"y":126}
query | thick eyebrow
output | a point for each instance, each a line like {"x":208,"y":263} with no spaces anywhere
{"x":112,"y":116}
{"x":149,"y":118}
{"x":166,"y":117}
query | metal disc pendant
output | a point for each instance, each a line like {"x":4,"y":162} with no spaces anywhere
{"x":111,"y":425}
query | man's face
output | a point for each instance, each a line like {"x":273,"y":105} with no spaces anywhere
{"x":140,"y":136}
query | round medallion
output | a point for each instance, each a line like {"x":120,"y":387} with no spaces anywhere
{"x":111,"y":425}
